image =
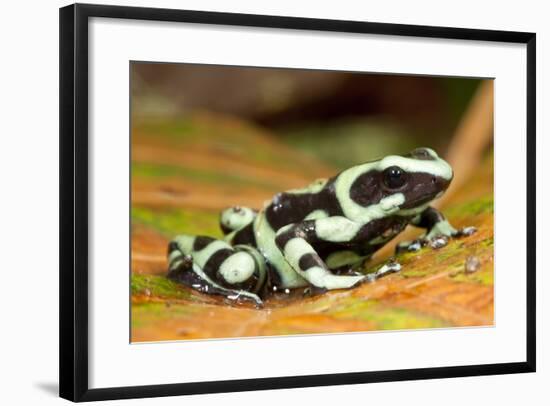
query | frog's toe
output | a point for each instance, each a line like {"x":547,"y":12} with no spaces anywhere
{"x":465,"y":231}
{"x":402,"y":247}
{"x":244,"y":296}
{"x":314,"y":291}
{"x":439,"y":241}
{"x":411,"y":246}
{"x":331,"y":282}
{"x":391,"y":267}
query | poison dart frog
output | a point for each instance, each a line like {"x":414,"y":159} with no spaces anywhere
{"x":312,"y":238}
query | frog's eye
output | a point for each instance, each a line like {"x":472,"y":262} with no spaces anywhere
{"x":394,"y":177}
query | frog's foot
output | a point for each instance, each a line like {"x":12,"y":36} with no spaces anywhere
{"x":439,"y":240}
{"x":314,"y":291}
{"x":189,"y":274}
{"x":390,"y":267}
{"x":443,"y":228}
{"x":214,"y":267}
{"x":465,"y":232}
{"x":438,"y":237}
{"x":240,"y":296}
{"x":410,"y":246}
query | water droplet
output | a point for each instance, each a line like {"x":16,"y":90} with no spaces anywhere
{"x":472,"y":264}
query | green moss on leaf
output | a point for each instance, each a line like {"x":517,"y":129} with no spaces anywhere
{"x":152,"y":313}
{"x":150,"y":170}
{"x":179,"y":221}
{"x":472,"y":208}
{"x":481,"y":277}
{"x":157,"y":286}
{"x":414,"y":273}
{"x":386,"y":318}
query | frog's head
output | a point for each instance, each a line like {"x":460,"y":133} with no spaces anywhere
{"x":420,"y":176}
{"x":399,"y":182}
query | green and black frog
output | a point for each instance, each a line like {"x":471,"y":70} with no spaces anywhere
{"x":313,"y":238}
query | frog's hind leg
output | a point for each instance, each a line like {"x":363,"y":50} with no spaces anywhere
{"x":215,"y":267}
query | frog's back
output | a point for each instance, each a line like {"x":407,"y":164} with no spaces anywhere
{"x":316,"y":200}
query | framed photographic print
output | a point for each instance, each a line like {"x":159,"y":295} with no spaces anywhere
{"x":255,"y":202}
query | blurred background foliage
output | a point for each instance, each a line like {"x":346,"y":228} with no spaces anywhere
{"x":343,"y":118}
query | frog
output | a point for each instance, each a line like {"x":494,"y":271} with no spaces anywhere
{"x":314,"y":238}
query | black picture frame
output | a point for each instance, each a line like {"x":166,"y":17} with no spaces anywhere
{"x":73,"y":278}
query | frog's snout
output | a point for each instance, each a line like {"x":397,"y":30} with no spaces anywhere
{"x":440,"y":183}
{"x":445,"y":179}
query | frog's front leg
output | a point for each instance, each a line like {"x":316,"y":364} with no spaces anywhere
{"x":437,"y":227}
{"x":296,"y":243}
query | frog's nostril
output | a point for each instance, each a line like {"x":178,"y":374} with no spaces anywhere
{"x":434,"y":180}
